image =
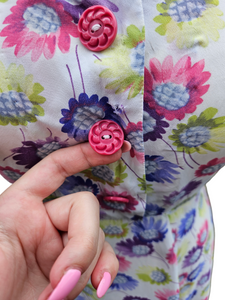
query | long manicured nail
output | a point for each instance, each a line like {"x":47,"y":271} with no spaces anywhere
{"x":66,"y":285}
{"x":104,"y":285}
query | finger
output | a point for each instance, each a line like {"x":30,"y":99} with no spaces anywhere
{"x":105,"y":270}
{"x":77,"y":214}
{"x":46,"y":293}
{"x":45,"y":177}
{"x":83,"y":280}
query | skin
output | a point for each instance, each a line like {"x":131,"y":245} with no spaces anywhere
{"x":40,"y":242}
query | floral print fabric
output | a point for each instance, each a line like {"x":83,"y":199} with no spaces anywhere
{"x":162,"y":81}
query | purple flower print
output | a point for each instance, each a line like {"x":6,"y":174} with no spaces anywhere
{"x":134,"y":247}
{"x":32,"y":152}
{"x":134,"y":298}
{"x":193,"y":256}
{"x":76,"y":7}
{"x":75,"y":184}
{"x":84,"y":113}
{"x":153,"y":124}
{"x":204,"y":278}
{"x":176,"y":196}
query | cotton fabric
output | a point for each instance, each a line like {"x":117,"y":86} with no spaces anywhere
{"x":162,"y":81}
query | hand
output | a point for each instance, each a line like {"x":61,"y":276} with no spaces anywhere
{"x":41,"y":243}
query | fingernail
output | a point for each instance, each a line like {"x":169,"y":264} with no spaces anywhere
{"x":104,"y":285}
{"x":66,"y":285}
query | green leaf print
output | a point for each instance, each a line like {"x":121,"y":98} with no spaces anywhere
{"x":200,"y":133}
{"x":144,"y":186}
{"x":123,"y":65}
{"x":191,"y":27}
{"x":19,"y":96}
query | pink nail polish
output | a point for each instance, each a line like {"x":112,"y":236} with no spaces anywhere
{"x":66,"y":285}
{"x":104,"y":285}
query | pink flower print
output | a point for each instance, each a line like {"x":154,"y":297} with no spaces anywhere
{"x":182,"y":279}
{"x":167,"y":294}
{"x":171,"y":256}
{"x":203,"y":234}
{"x":211,"y":167}
{"x":114,"y":205}
{"x":10,"y":174}
{"x":124,"y":264}
{"x":175,"y":90}
{"x":38,"y":26}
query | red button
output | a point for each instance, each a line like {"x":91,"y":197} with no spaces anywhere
{"x":106,"y":137}
{"x":118,"y":199}
{"x":97,"y":28}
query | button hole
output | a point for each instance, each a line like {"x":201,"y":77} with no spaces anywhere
{"x":95,"y":28}
{"x":106,"y":137}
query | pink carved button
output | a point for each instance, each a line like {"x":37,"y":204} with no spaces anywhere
{"x":97,"y":28}
{"x":118,"y":199}
{"x":106,"y":137}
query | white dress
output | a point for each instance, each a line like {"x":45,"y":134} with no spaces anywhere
{"x":162,"y":80}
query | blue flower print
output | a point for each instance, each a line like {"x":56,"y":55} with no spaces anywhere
{"x":103,"y":172}
{"x":75,"y":8}
{"x":195,"y":136}
{"x":84,"y":113}
{"x":75,"y":184}
{"x":124,"y":282}
{"x":187,"y":223}
{"x":137,"y":57}
{"x":195,"y":273}
{"x":159,"y":170}
{"x":191,"y":296}
{"x":134,"y":248}
{"x":148,"y":230}
{"x":153,"y":210}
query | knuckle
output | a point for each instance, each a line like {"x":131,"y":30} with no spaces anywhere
{"x":89,"y":196}
{"x":89,"y":244}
